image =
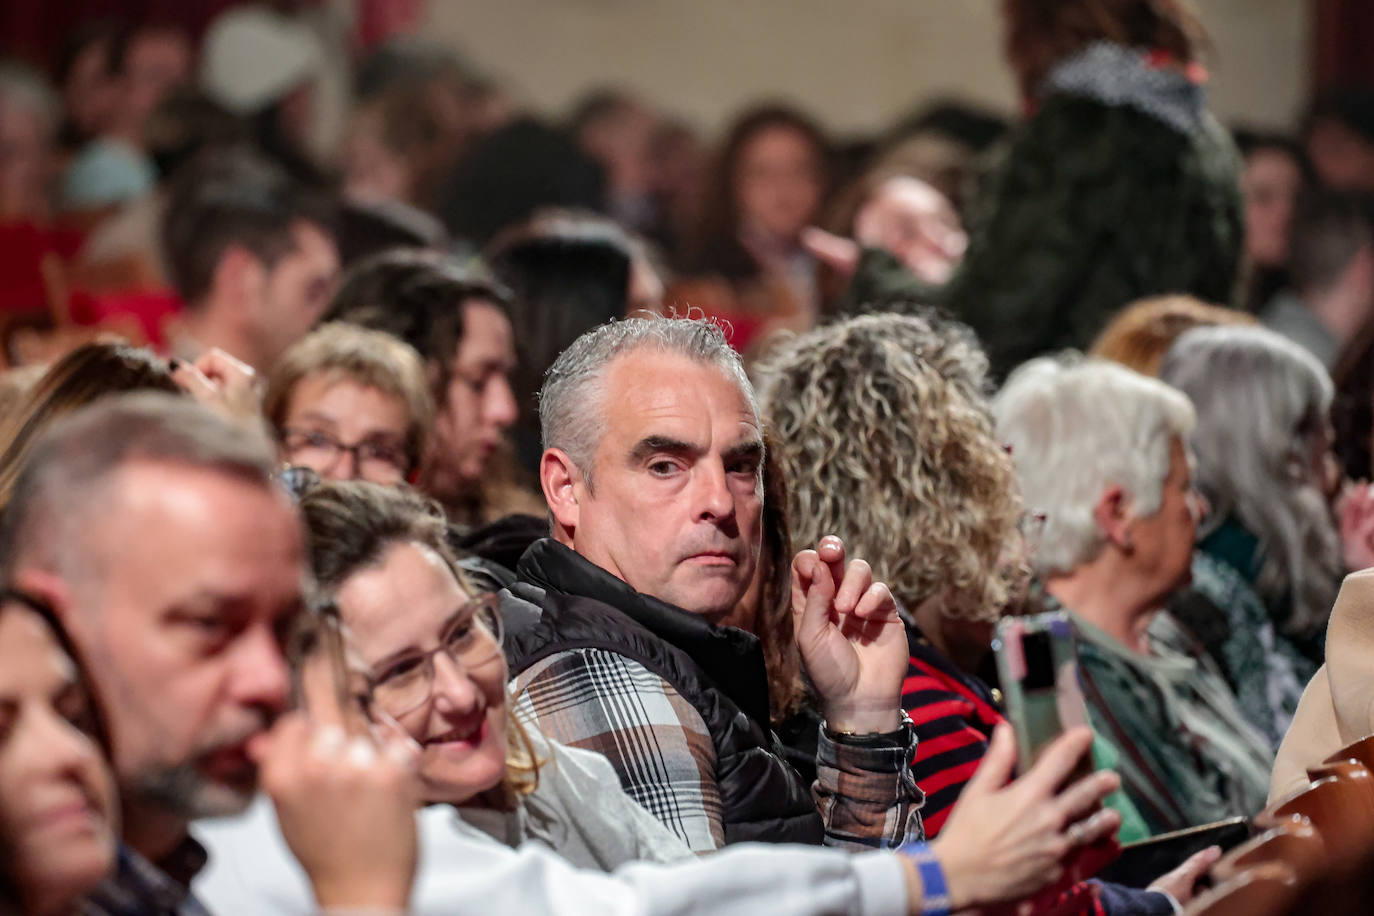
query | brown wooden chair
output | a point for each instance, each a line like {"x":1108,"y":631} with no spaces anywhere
{"x":1265,"y":890}
{"x":1337,"y":808}
{"x":1352,"y":771}
{"x":1295,"y":844}
{"x":1361,"y":750}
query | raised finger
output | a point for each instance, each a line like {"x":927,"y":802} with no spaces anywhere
{"x":877,"y":604}
{"x":997,"y":764}
{"x":816,"y":609}
{"x":830,"y":550}
{"x":1101,"y":825}
{"x":1057,"y":762}
{"x":803,"y":574}
{"x":1075,"y":802}
{"x":856,"y":579}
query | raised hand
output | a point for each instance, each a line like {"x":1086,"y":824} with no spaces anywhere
{"x":346,"y":795}
{"x":1003,"y":842}
{"x":221,"y":382}
{"x":1355,"y":511}
{"x":850,"y":639}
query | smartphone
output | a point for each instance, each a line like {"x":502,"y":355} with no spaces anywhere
{"x":1142,"y":862}
{"x":1037,"y":665}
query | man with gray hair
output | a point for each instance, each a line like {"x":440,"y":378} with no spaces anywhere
{"x":155,"y":531}
{"x":1102,"y":451}
{"x":652,"y":470}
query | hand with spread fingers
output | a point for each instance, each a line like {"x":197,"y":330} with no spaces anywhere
{"x":850,"y":639}
{"x":1005,"y":841}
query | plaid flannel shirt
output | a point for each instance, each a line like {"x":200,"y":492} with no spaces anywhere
{"x":140,"y":888}
{"x":661,"y":748}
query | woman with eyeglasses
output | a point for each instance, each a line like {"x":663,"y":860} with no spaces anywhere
{"x":428,"y":649}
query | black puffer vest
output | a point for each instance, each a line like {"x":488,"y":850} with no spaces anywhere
{"x":563,"y":602}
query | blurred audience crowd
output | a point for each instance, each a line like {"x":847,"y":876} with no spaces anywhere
{"x":461,"y":508}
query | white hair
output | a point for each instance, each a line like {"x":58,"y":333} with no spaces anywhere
{"x":570,"y":403}
{"x":1076,"y":427}
{"x":1262,"y":404}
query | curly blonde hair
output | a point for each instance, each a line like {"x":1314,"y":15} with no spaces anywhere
{"x":885,"y":438}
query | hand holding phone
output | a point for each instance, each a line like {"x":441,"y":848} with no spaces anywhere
{"x":1037,"y":664}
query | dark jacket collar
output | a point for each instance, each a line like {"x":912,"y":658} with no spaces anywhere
{"x":730,"y":657}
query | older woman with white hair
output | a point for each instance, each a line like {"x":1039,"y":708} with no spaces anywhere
{"x":1102,"y":451}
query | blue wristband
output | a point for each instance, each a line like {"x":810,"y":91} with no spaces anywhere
{"x":934,"y":888}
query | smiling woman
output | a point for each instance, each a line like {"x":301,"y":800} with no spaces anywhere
{"x":57,"y":797}
{"x":436,"y":672}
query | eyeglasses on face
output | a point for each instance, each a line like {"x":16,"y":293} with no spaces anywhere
{"x":472,"y":640}
{"x":374,"y":459}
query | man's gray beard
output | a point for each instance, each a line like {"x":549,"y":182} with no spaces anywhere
{"x":185,"y":791}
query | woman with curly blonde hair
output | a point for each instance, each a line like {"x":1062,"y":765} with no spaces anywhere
{"x":884,"y":437}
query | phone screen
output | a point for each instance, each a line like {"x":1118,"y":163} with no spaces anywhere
{"x":1038,"y":667}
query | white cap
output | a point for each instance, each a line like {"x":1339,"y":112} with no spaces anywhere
{"x":252,"y":57}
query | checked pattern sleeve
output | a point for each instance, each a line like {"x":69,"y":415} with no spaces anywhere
{"x":658,"y":743}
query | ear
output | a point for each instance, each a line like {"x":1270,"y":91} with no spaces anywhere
{"x":51,"y":589}
{"x":1113,"y":516}
{"x":562,"y":483}
{"x":239,"y":276}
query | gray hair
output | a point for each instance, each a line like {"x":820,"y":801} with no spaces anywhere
{"x":1261,"y":399}
{"x":1077,"y":426}
{"x":25,"y":89}
{"x":571,"y":401}
{"x":61,"y":487}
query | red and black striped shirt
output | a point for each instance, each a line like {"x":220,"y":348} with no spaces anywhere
{"x":954,"y":714}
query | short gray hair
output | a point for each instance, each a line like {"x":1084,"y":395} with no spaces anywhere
{"x":1261,"y":400}
{"x":61,"y":485}
{"x":1077,"y":426}
{"x":570,"y":403}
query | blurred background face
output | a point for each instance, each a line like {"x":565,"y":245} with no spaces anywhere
{"x":25,"y":163}
{"x":1342,"y":158}
{"x":461,"y":723}
{"x":479,"y":405}
{"x":778,"y":182}
{"x":156,"y":62}
{"x":88,"y":93}
{"x":345,"y":430}
{"x":57,"y":806}
{"x":372,"y":171}
{"x":1270,"y":184}
{"x":296,"y":290}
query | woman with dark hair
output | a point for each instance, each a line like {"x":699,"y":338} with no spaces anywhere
{"x":94,"y":370}
{"x":58,"y":812}
{"x":568,"y":271}
{"x":1120,"y":184}
{"x":766,"y":610}
{"x":88,"y":372}
{"x":770,"y":181}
